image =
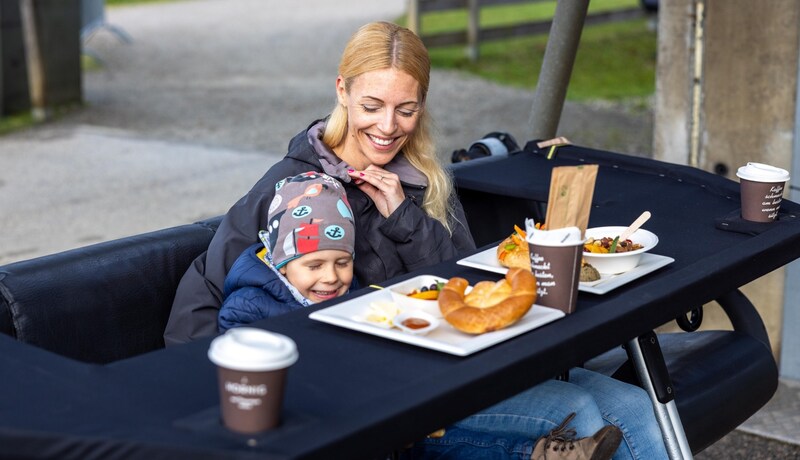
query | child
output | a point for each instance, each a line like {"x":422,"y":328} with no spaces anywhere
{"x":306,"y":256}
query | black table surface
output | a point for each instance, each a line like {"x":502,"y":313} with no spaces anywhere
{"x":354,"y":395}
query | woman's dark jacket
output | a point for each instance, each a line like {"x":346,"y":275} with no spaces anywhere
{"x":385,"y":247}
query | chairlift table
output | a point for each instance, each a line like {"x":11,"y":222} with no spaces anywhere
{"x":356,"y":395}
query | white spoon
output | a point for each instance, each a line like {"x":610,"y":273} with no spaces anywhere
{"x":634,"y":226}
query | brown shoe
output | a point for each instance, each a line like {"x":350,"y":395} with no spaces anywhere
{"x":560,"y":444}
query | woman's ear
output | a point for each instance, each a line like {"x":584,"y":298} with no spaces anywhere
{"x":341,"y":91}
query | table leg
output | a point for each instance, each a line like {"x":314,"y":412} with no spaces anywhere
{"x":645,"y":354}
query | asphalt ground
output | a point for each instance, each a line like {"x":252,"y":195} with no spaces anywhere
{"x":180,"y":122}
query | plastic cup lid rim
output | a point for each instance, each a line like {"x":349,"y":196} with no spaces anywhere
{"x":252,"y":349}
{"x":761,"y":172}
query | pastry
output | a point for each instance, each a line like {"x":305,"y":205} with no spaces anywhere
{"x":490,"y":305}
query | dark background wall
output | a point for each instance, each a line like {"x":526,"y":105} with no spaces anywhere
{"x":58,"y":24}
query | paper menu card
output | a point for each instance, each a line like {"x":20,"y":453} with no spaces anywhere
{"x":570,"y":198}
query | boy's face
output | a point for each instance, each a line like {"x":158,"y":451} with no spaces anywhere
{"x":320,"y":275}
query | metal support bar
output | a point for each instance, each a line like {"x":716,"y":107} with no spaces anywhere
{"x":414,"y":17}
{"x":790,"y":341}
{"x":559,"y":57}
{"x":697,"y":82}
{"x":34,"y":60}
{"x":645,"y":354}
{"x":473,"y":29}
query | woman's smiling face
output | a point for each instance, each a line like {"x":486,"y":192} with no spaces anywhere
{"x":383,"y":110}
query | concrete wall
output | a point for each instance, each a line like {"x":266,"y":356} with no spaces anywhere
{"x":749,"y":82}
{"x":726,"y":94}
{"x":672,"y":117}
{"x":59,"y":37}
{"x":13,"y":73}
{"x":59,"y":23}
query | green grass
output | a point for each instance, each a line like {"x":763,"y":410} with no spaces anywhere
{"x":615,"y":61}
{"x":491,"y":16}
{"x":9,"y":123}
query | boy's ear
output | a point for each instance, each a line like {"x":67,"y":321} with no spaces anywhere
{"x":282,"y":270}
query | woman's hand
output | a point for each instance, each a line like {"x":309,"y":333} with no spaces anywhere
{"x":381,"y":186}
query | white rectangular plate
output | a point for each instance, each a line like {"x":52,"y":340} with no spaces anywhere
{"x":445,"y":338}
{"x":487,"y":260}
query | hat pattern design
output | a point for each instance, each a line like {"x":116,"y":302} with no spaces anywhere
{"x":309,"y":213}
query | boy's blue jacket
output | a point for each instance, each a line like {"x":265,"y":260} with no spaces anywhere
{"x":252,"y":291}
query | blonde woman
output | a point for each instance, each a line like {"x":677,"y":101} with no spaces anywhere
{"x":377,"y":142}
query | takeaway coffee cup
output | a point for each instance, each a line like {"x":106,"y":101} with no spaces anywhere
{"x":252,"y":365}
{"x":761,"y":191}
{"x":556,"y":263}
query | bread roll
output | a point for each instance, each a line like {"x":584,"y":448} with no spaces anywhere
{"x":489,"y":306}
{"x":513,"y":252}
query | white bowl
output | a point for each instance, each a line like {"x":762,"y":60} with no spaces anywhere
{"x":401,"y":290}
{"x":620,"y":262}
{"x":400,"y":322}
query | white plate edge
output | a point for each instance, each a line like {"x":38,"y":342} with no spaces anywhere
{"x":657,"y":261}
{"x":471,"y":345}
{"x":607,"y":285}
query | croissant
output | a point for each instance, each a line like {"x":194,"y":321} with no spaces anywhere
{"x":489,"y":306}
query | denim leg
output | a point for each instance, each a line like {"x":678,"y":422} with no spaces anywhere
{"x":629,"y":408}
{"x":460,"y":444}
{"x":508,"y":428}
{"x":536,"y":411}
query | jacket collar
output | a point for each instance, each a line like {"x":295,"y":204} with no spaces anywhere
{"x":336,"y":167}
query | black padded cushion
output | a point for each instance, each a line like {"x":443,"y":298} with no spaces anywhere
{"x":103,"y":302}
{"x":720,"y":379}
{"x":6,"y":322}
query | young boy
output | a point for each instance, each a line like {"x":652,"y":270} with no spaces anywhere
{"x":306,"y":256}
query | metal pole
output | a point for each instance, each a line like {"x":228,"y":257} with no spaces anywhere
{"x":790,"y":361}
{"x":473,"y":29}
{"x":559,"y":56}
{"x":697,"y":83}
{"x":667,"y":412}
{"x":413,"y":17}
{"x":33,"y":56}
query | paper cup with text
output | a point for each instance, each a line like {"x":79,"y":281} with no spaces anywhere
{"x":761,"y":190}
{"x":252,"y":366}
{"x":556,"y":264}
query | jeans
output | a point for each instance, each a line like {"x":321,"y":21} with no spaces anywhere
{"x":509,"y":429}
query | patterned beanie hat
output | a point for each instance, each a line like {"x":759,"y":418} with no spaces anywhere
{"x":309,"y":213}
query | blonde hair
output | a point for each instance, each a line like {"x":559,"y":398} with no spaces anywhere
{"x":382,"y":45}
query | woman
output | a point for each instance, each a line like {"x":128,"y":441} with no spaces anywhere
{"x":377,"y":142}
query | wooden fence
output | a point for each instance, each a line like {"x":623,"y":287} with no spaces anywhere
{"x":474,"y":34}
